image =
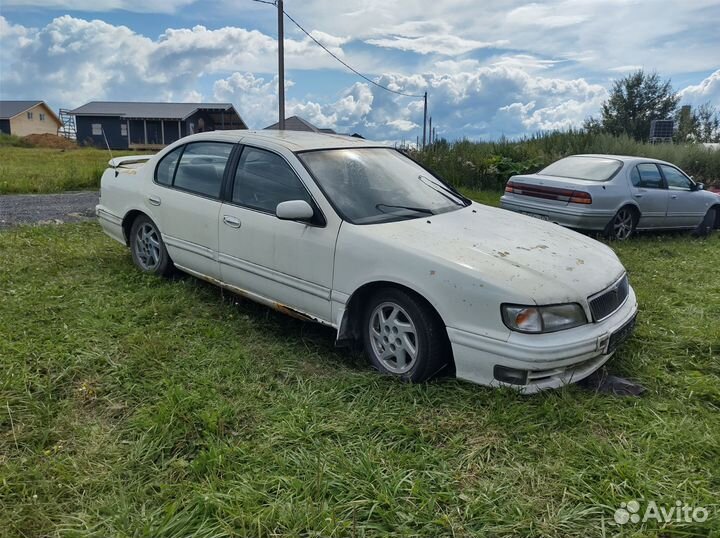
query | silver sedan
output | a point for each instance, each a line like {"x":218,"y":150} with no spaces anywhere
{"x":614,"y":194}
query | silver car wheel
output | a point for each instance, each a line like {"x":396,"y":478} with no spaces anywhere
{"x":393,"y":338}
{"x":623,"y":225}
{"x":147,"y":246}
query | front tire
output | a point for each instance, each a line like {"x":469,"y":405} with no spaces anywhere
{"x":403,"y":336}
{"x":622,"y":226}
{"x":148,"y":249}
{"x":705,"y":228}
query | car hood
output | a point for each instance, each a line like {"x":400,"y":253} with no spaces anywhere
{"x":536,"y":260}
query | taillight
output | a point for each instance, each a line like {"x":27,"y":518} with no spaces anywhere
{"x":549,"y":193}
{"x":580,"y":197}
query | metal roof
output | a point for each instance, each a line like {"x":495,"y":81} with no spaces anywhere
{"x":10,"y":109}
{"x":128,"y":109}
{"x":296,"y":123}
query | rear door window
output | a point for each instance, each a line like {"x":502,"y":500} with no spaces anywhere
{"x":648,"y":176}
{"x":201,"y":168}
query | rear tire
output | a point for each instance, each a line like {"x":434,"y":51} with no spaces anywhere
{"x":403,"y":336}
{"x":148,"y":248}
{"x":705,"y":228}
{"x":622,"y":226}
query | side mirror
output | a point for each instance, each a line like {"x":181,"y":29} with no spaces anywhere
{"x":700,"y":186}
{"x":294,"y":210}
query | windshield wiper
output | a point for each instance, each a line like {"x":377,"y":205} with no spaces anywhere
{"x":422,"y":210}
{"x":433,"y":186}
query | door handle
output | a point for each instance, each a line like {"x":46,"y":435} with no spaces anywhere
{"x":638,"y":195}
{"x":231,"y":221}
{"x":154,"y":200}
{"x":674,"y":196}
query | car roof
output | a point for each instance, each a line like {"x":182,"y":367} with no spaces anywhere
{"x":292,"y":140}
{"x":623,"y":158}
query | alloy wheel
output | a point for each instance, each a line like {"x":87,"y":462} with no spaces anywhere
{"x":393,"y":337}
{"x":623,"y":225}
{"x":147,"y":246}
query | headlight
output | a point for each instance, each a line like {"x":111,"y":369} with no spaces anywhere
{"x":543,"y":319}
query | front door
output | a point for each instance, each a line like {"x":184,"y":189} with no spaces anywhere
{"x":648,"y":190}
{"x":685,"y":208}
{"x":286,"y":262}
{"x":186,"y":194}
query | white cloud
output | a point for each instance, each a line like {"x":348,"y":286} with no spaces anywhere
{"x":140,"y":6}
{"x":76,"y":60}
{"x":707,"y":91}
{"x":447,"y":45}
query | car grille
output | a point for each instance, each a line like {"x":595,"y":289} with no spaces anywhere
{"x":609,"y":300}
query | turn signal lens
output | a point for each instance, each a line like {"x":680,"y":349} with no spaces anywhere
{"x":580,"y":197}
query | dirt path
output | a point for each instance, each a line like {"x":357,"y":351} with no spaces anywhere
{"x":45,"y":208}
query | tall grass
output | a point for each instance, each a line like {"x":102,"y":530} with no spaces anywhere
{"x":488,"y":165}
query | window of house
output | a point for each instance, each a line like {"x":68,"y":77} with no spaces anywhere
{"x":42,"y":116}
{"x":97,"y":129}
{"x":123,"y":129}
{"x":201,"y":168}
{"x":29,"y":115}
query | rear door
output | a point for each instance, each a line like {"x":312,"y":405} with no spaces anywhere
{"x":685,"y":207}
{"x":650,"y":194}
{"x":286,"y":262}
{"x":186,"y":193}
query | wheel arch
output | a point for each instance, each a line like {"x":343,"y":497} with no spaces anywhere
{"x":349,"y":329}
{"x":128,"y":220}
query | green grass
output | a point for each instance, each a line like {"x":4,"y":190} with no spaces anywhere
{"x":136,"y":406}
{"x":42,"y":170}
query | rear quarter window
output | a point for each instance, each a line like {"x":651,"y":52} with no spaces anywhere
{"x":166,"y":167}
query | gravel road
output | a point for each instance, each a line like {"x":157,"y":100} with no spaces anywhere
{"x":47,"y":208}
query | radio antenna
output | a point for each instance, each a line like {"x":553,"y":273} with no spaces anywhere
{"x":107,"y":145}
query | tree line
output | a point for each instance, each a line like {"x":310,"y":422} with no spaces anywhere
{"x":639,"y":98}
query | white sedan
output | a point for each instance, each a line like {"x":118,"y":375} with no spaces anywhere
{"x":357,"y":236}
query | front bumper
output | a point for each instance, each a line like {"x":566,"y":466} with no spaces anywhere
{"x":579,"y":218}
{"x":551,"y":360}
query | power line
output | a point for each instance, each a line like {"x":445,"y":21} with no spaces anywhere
{"x":351,"y":68}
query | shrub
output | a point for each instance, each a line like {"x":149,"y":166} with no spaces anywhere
{"x":488,"y":165}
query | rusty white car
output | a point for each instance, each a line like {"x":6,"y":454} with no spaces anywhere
{"x":359,"y":237}
{"x":614,"y":194}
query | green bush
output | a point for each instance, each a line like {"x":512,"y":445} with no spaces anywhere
{"x":488,"y":165}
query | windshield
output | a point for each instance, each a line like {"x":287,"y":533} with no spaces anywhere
{"x":587,"y":168}
{"x":371,"y":185}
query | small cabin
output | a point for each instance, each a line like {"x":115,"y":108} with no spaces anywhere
{"x":134,"y":125}
{"x":22,"y":118}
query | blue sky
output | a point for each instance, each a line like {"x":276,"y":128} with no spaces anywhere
{"x":499,"y":67}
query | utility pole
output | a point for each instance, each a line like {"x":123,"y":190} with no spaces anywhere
{"x":430,"y":132}
{"x":281,"y":65}
{"x":424,"y":119}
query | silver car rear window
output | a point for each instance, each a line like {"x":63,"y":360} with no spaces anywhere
{"x":587,"y":168}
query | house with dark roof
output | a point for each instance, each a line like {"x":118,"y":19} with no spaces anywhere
{"x":296,"y":123}
{"x":22,"y":118}
{"x":135,"y":125}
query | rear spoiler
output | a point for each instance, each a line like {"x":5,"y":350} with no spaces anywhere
{"x":119,"y":162}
